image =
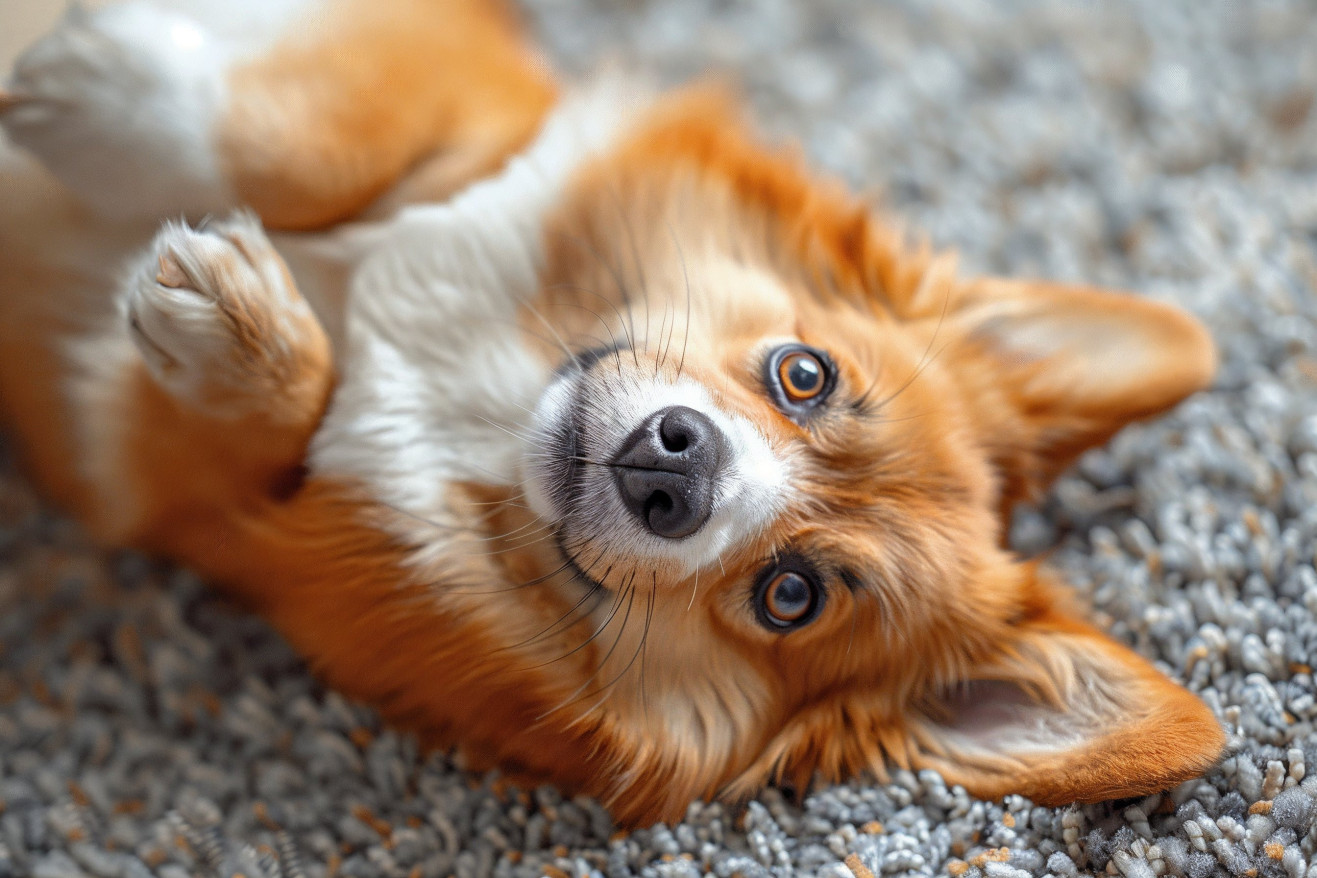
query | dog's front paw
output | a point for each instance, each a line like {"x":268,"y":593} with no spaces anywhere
{"x":221,"y":326}
{"x":120,"y":105}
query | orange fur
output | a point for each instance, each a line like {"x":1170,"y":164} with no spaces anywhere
{"x":336,"y":115}
{"x":957,"y":398}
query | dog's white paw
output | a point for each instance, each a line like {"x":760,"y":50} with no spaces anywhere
{"x":120,"y":105}
{"x":219,"y":323}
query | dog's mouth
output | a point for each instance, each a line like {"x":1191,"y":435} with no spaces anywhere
{"x":553,"y":480}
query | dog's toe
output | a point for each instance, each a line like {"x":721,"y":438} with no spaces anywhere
{"x":218,"y":320}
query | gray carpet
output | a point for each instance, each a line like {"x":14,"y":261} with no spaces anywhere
{"x":146,"y":728}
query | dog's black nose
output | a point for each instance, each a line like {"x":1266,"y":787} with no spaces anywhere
{"x":667,"y":471}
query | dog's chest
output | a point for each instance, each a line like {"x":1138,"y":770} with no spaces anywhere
{"x":439,"y":367}
{"x":437,"y":377}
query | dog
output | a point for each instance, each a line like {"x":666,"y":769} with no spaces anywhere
{"x":574,"y":428}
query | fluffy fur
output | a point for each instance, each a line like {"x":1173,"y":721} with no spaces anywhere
{"x":393,"y":437}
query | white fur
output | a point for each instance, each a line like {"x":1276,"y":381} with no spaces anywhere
{"x":437,"y":383}
{"x":1008,"y":719}
{"x":121,"y":104}
{"x":101,"y":371}
{"x":183,"y":331}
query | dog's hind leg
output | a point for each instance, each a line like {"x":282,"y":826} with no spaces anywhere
{"x":305,"y":110}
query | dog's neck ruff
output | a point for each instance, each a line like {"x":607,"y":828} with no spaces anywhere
{"x":436,"y":380}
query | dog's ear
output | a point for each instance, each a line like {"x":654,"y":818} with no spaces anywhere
{"x":1055,"y":711}
{"x":1053,"y":370}
{"x":1064,"y":714}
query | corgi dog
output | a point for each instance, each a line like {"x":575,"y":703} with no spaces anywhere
{"x":572,"y":427}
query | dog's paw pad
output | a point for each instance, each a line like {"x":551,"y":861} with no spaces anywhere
{"x":217,"y":318}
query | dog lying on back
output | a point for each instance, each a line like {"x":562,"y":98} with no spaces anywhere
{"x":583,"y":432}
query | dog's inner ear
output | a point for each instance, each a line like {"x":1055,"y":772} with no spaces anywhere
{"x":985,"y":714}
{"x":1053,"y":370}
{"x":1065,"y":714}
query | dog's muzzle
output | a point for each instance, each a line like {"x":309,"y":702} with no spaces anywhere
{"x":667,"y":471}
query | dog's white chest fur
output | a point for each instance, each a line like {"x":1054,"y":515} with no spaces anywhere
{"x":436,"y":382}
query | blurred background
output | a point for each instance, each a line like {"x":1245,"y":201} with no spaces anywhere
{"x":22,"y":21}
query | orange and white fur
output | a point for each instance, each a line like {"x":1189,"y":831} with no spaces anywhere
{"x":578,"y":430}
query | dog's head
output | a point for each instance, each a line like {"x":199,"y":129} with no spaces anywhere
{"x":777,"y":453}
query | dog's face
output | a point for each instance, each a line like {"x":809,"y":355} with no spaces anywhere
{"x":798,"y":478}
{"x":775,"y":455}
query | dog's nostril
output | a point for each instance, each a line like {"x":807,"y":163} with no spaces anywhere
{"x":681,"y":429}
{"x":676,"y":442}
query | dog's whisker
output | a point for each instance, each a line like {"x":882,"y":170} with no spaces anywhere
{"x":617,"y":605}
{"x":685,"y":277}
{"x":672,"y":333}
{"x":551,"y":342}
{"x":556,"y":335}
{"x":622,"y":290}
{"x":566,"y":565}
{"x":613,"y":346}
{"x":606,"y":690}
{"x":658,"y":360}
{"x":590,"y":592}
{"x":622,"y":320}
{"x":467,"y":530}
{"x":639,"y":266}
{"x":924,"y":360}
{"x":524,"y":437}
{"x":541,"y":535}
{"x":630,"y":590}
{"x":535,"y":525}
{"x":471,"y":532}
{"x":644,"y":643}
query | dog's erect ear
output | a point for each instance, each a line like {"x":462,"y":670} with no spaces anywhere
{"x":1065,"y":714}
{"x":1054,"y":370}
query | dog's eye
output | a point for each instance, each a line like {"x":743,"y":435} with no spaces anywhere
{"x":787,"y":599}
{"x":801,"y":375}
{"x":799,"y":378}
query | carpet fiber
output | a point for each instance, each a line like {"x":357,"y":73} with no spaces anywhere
{"x":147,"y":728}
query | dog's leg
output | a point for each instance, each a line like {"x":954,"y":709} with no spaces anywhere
{"x":210,"y":408}
{"x":221,"y":327}
{"x":306,"y":110}
{"x":119,"y":104}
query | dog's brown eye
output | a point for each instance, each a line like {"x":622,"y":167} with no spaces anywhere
{"x":799,"y":379}
{"x":802,"y":376}
{"x":787,"y":599}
